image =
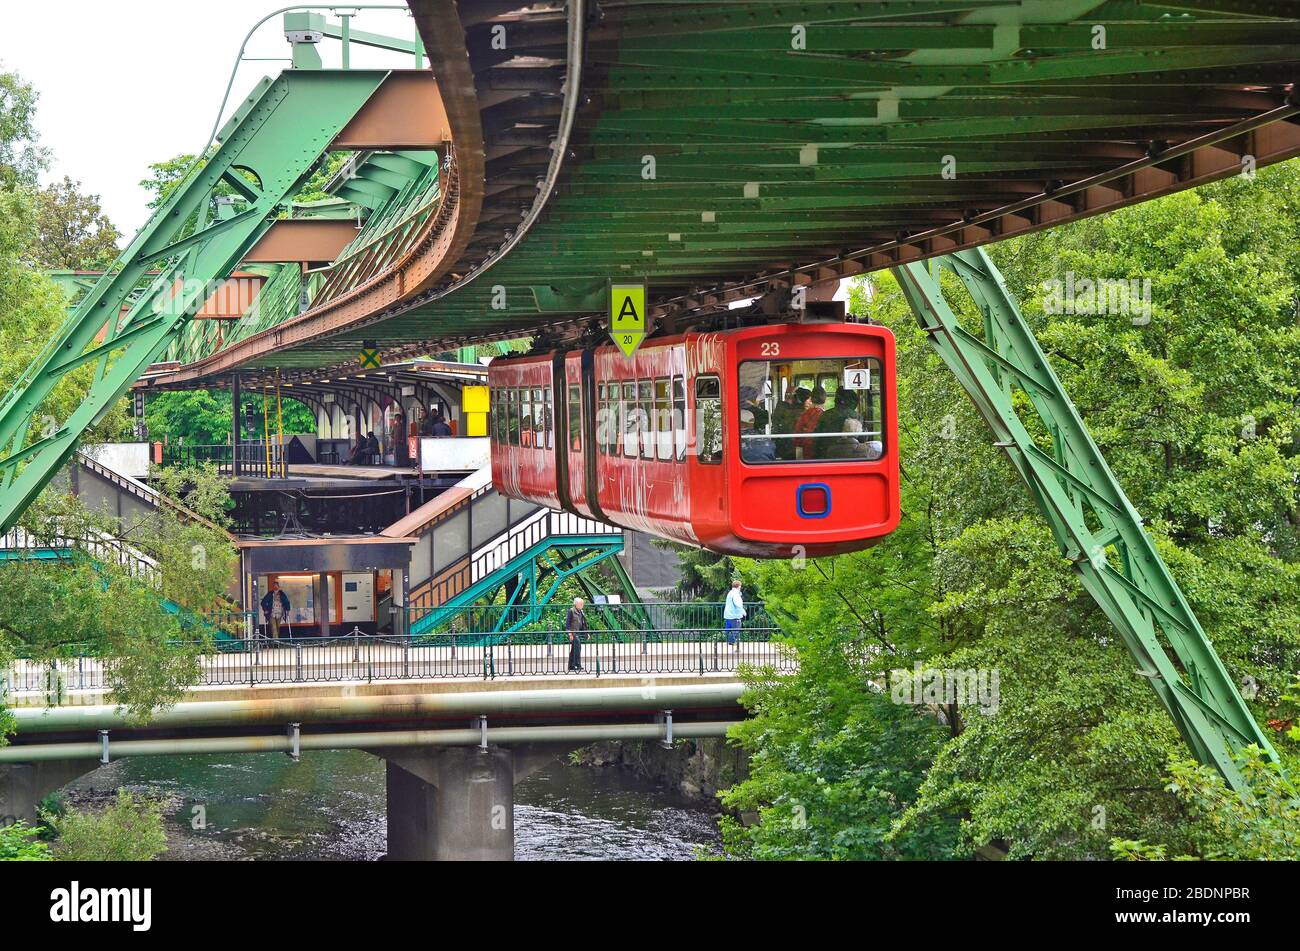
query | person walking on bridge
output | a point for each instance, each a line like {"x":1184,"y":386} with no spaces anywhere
{"x":732,"y":613}
{"x":575,"y":624}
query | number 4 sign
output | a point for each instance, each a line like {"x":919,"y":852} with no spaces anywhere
{"x":857,"y":379}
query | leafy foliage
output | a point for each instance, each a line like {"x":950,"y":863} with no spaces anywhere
{"x":21,"y":157}
{"x":205,"y":417}
{"x":1196,"y":412}
{"x":1263,"y":824}
{"x":72,"y":230}
{"x":129,"y":829}
{"x":19,"y":843}
{"x":135,"y":594}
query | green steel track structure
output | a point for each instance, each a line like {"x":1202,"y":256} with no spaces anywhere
{"x":267,"y":149}
{"x":721,"y":151}
{"x":1094,"y":523}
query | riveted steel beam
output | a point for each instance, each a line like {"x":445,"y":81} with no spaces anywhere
{"x":278,"y":136}
{"x":1091,"y":517}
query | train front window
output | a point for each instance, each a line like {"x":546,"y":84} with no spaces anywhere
{"x":827,"y":410}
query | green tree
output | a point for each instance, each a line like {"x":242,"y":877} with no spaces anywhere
{"x":21,"y":157}
{"x":703,"y":575}
{"x":33,"y":310}
{"x":204,"y":417}
{"x":72,"y":231}
{"x":133,"y":594}
{"x":1196,"y":411}
{"x":1262,"y":824}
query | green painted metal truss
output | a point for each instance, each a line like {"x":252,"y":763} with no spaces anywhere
{"x":266,"y":151}
{"x":721,"y":150}
{"x":529,"y":581}
{"x":725,"y":146}
{"x":1091,"y":518}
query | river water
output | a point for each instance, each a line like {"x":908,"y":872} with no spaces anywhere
{"x":331,"y":806}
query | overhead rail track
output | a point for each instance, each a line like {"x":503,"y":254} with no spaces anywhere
{"x":717,"y":151}
{"x":720,"y":151}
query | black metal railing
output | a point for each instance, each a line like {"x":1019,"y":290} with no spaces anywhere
{"x":256,"y":459}
{"x":359,"y":657}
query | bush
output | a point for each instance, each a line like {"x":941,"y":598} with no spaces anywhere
{"x":18,"y":844}
{"x":129,"y":829}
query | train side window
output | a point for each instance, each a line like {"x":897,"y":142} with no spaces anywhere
{"x":708,"y":419}
{"x":679,"y":416}
{"x":512,"y":406}
{"x":526,"y":418}
{"x":614,"y":422}
{"x":629,"y":420}
{"x":539,"y":420}
{"x":575,"y":419}
{"x":547,"y":420}
{"x":663,"y":420}
{"x":647,"y":412}
{"x":602,"y":412}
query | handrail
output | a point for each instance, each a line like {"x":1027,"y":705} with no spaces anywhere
{"x":149,"y":494}
{"x":259,"y":660}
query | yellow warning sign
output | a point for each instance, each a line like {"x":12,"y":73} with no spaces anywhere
{"x":369,"y":358}
{"x":627,"y":312}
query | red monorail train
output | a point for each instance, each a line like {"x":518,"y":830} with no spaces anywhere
{"x":767,"y":441}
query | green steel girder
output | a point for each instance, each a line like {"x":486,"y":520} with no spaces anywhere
{"x":529,"y":570}
{"x":278,"y":134}
{"x":1090,"y":516}
{"x":844,"y":139}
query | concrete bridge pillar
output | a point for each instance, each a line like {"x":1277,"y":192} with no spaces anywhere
{"x":24,"y":785}
{"x":457,"y":804}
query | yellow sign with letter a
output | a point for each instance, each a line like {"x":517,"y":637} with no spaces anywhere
{"x":627,"y":316}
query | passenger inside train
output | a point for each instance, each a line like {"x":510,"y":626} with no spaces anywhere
{"x":800,"y":410}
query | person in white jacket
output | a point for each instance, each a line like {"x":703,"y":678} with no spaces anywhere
{"x":732,"y":613}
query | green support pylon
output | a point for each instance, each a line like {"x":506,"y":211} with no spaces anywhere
{"x":277,"y":135}
{"x":1088,"y":512}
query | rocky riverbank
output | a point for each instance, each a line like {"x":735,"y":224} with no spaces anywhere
{"x":696,"y":769}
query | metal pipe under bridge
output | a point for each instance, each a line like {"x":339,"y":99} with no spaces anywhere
{"x":453,"y":747}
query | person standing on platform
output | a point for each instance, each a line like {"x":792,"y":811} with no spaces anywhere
{"x":575,"y":624}
{"x":275,"y":607}
{"x":440,"y":429}
{"x":732,"y":614}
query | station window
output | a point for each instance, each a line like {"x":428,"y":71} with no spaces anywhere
{"x":708,"y":419}
{"x":628,"y":417}
{"x":825,"y":410}
{"x":679,"y":416}
{"x":575,"y":419}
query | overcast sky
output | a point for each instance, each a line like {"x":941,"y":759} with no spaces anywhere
{"x":132,"y":82}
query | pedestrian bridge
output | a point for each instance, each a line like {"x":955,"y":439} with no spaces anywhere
{"x":458,"y":719}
